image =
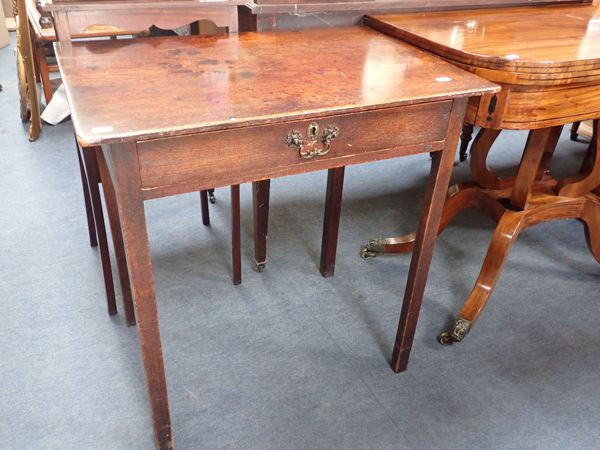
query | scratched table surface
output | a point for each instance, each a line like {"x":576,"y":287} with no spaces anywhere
{"x":194,"y":84}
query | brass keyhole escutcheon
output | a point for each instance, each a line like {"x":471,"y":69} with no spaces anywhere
{"x":310,"y":148}
{"x":313,"y":131}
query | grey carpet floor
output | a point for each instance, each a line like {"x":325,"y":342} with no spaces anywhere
{"x":288,"y":359}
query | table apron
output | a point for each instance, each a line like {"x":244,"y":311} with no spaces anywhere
{"x":532,"y":107}
{"x":190,"y":163}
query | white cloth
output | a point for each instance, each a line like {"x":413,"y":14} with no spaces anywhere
{"x":58,"y":108}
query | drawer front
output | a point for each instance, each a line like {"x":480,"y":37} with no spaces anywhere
{"x":222,"y":158}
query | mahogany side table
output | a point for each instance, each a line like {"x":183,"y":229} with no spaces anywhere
{"x":229,"y":114}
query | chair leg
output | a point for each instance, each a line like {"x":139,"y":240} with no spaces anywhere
{"x":88,"y":203}
{"x":43,"y":71}
{"x":93,"y":178}
{"x":236,"y":251}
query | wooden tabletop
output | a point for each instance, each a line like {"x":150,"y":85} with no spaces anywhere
{"x":558,"y":38}
{"x":153,"y":87}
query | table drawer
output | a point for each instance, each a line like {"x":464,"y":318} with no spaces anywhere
{"x":221,"y":158}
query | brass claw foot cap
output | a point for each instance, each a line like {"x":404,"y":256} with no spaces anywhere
{"x":459,"y":331}
{"x":445,"y":338}
{"x":372,"y":249}
{"x":260,"y":266}
{"x":365,"y":253}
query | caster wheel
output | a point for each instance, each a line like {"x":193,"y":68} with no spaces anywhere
{"x":260,"y":267}
{"x":212,"y":198}
{"x":445,"y":338}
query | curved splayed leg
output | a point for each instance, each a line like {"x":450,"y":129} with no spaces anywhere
{"x":460,"y":197}
{"x":590,"y":216}
{"x":507,"y":231}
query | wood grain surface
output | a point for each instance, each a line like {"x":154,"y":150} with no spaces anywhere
{"x":557,"y":38}
{"x":193,"y":84}
{"x":545,"y":58}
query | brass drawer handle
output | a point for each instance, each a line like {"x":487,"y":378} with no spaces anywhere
{"x":308,"y":149}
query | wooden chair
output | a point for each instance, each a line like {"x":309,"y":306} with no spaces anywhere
{"x":86,"y":18}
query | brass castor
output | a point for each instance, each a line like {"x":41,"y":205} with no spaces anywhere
{"x":372,"y":249}
{"x":460,"y":329}
{"x":365,"y":253}
{"x":445,"y":338}
{"x":211,"y":196}
{"x":260,"y":267}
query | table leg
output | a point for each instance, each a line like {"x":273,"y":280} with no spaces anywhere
{"x":510,"y":226}
{"x":117,"y":237}
{"x":485,"y":177}
{"x":437,"y":186}
{"x":331,"y":222}
{"x":204,"y":207}
{"x":465,"y":138}
{"x":93,"y":179}
{"x":89,"y":214}
{"x":543,"y":208}
{"x":590,"y":216}
{"x":589,"y":179}
{"x":236,"y":251}
{"x":124,"y":170}
{"x":460,"y":196}
{"x":260,"y":199}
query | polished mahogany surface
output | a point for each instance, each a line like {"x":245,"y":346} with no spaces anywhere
{"x":556,"y":37}
{"x":194,"y":84}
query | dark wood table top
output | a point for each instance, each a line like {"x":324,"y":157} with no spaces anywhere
{"x":148,"y":88}
{"x":557,"y":38}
